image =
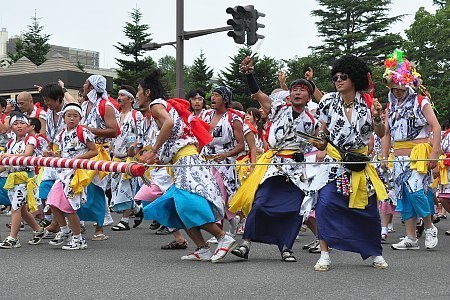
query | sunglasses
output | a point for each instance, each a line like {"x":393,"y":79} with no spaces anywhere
{"x":342,"y":76}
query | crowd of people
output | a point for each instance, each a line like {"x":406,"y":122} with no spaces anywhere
{"x":339,"y":163}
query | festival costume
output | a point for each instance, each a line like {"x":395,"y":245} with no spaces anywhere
{"x":95,"y":207}
{"x":68,"y":194}
{"x":272,"y":195}
{"x":411,"y":179}
{"x":194,"y":199}
{"x":346,"y":210}
{"x":20,"y":181}
{"x":443,"y":165}
{"x":123,"y":186}
{"x":243,"y":159}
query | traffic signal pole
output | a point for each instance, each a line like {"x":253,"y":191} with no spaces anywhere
{"x":179,"y":75}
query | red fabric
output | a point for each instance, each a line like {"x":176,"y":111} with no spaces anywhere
{"x":447,"y":159}
{"x":102,"y":109}
{"x":199,"y":128}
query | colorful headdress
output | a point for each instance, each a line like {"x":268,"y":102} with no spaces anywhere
{"x":399,"y":72}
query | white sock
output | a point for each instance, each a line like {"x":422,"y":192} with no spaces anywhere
{"x":324,"y":254}
{"x":126,"y":220}
{"x":64,"y":229}
{"x":77,"y":237}
{"x":247,"y":243}
{"x":384,"y":230}
{"x":377,"y":259}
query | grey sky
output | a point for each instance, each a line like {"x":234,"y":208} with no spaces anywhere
{"x":97,"y":25}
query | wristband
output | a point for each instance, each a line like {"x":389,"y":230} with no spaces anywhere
{"x":252,"y":83}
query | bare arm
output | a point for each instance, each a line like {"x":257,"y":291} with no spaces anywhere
{"x":112,"y":128}
{"x":43,"y":127}
{"x":436,"y":127}
{"x":160,"y":113}
{"x":250,"y":139}
{"x":92,"y":151}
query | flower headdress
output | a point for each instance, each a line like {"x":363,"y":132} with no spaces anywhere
{"x":399,"y":72}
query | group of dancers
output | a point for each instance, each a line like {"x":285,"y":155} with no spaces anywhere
{"x":299,"y":157}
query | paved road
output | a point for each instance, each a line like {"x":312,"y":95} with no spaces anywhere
{"x":131,"y":266}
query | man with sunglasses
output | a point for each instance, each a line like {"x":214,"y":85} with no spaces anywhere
{"x":410,"y":121}
{"x":346,"y":210}
{"x":272,"y":196}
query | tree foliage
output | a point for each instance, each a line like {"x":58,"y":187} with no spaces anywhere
{"x":355,"y":27}
{"x":428,"y":46}
{"x":134,"y":68}
{"x":266,"y":70}
{"x":32,"y":44}
{"x":201,"y":74}
{"x":168,"y":67}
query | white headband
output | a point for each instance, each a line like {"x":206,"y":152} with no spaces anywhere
{"x":20,"y":118}
{"x":126,"y":93}
{"x":72,"y":107}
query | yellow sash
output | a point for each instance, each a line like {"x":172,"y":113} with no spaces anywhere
{"x":245,"y":195}
{"x":404,"y":145}
{"x":80,"y":180}
{"x":359,"y":198}
{"x":19,"y":178}
{"x":420,"y":151}
{"x":443,"y":173}
{"x":102,"y":155}
{"x":187,"y":150}
{"x":242,"y":168}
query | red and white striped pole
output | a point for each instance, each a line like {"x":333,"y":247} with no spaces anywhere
{"x":133,"y":169}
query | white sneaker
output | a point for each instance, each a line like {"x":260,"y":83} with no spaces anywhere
{"x":378,"y":262}
{"x":323,"y":264}
{"x":201,"y":254}
{"x":406,"y":244}
{"x":212,"y":240}
{"x":108,"y":221}
{"x":225,"y":245}
{"x":60,"y":238}
{"x":75,"y":244}
{"x":431,"y":239}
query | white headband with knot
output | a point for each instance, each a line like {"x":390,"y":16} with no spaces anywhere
{"x":126,"y":93}
{"x":20,"y":118}
{"x":72,"y":107}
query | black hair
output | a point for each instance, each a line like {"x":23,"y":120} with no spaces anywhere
{"x":3,"y":102}
{"x":355,"y":68}
{"x":194,"y":93}
{"x":305,"y":82}
{"x":237,"y":105}
{"x":18,"y":114}
{"x":36,"y":123}
{"x":152,"y":82}
{"x":129,"y":89}
{"x":53,"y":91}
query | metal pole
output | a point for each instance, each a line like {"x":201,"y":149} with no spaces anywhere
{"x":179,"y":88}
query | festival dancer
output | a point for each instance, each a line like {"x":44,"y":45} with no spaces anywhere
{"x":68,"y":193}
{"x":102,"y":119}
{"x":409,"y":123}
{"x":272,"y":196}
{"x":346,"y":211}
{"x":123,"y":186}
{"x":194,"y":201}
{"x":197,"y":102}
{"x":19,"y":182}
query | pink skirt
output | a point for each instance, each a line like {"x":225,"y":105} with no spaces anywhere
{"x":444,"y":195}
{"x":387,"y":208}
{"x":57,"y":198}
{"x":148,"y":193}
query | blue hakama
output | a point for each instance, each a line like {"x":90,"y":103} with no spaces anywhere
{"x":95,"y":207}
{"x":178,"y":208}
{"x":275,"y":215}
{"x":348,"y":229}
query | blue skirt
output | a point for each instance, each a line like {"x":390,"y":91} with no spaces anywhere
{"x":121,"y":207}
{"x":180,"y":209}
{"x":348,"y":229}
{"x":44,"y":188}
{"x":4,"y":199}
{"x":275,"y":215}
{"x":95,"y":207}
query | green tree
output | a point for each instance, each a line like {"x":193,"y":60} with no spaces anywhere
{"x":266,"y":70}
{"x":131,"y":70}
{"x":32,"y":44}
{"x":355,"y":27}
{"x":201,"y":74}
{"x":428,"y":46}
{"x":168,"y":67}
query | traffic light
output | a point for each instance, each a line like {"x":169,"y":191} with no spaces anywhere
{"x":244,"y":21}
{"x":238,"y":33}
{"x":252,"y":36}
